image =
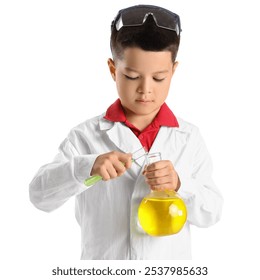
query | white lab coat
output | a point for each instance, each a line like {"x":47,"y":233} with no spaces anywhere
{"x":107,"y":211}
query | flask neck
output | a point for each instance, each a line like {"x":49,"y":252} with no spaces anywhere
{"x":154,"y":157}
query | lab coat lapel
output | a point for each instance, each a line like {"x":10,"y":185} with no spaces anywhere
{"x":169,"y":141}
{"x":122,"y":137}
{"x":161,"y":142}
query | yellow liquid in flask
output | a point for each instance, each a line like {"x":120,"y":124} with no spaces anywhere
{"x":162,"y":215}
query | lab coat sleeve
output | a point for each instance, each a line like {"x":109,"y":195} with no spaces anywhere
{"x":203,"y":199}
{"x":61,"y":179}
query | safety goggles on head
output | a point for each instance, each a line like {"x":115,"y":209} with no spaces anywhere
{"x":137,"y":15}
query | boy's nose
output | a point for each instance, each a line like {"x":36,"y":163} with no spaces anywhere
{"x":144,"y":87}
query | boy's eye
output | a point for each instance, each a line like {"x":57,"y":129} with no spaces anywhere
{"x":131,"y":78}
{"x":158,"y":80}
{"x":135,"y":78}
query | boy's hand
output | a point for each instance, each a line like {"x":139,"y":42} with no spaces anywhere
{"x":161,"y":175}
{"x":111,"y":165}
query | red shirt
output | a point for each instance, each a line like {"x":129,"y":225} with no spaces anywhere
{"x":165,"y":117}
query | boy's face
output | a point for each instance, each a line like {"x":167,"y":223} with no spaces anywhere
{"x":143,"y":80}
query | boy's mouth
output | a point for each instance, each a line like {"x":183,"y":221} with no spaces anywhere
{"x":144,"y":101}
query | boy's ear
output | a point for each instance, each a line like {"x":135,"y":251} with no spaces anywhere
{"x":174,"y":66}
{"x":112,"y":68}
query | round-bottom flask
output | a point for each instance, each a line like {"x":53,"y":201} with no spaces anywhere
{"x":161,"y":212}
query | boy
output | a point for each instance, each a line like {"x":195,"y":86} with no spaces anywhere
{"x":144,"y":44}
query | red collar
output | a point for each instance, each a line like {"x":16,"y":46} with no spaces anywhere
{"x":165,"y":116}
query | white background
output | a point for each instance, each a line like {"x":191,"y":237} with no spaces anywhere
{"x":53,"y":75}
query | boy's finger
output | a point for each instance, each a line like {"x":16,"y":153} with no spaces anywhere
{"x":155,"y":166}
{"x":126,"y":159}
{"x":160,"y":180}
{"x":158,"y":165}
{"x":129,"y":161}
{"x":157,"y":173}
{"x":105,"y":175}
{"x":119,"y":167}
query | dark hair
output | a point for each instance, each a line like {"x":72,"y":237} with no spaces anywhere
{"x":148,"y":37}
